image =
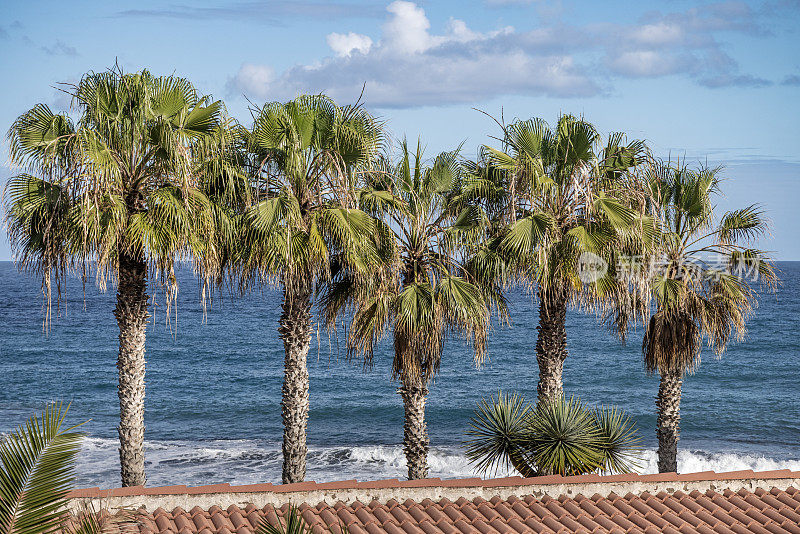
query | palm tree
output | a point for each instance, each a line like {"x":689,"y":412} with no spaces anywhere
{"x":115,"y":191}
{"x":698,"y":282}
{"x":557,"y":197}
{"x":305,"y":155}
{"x":424,"y":294}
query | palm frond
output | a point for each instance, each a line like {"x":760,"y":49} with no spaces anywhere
{"x":565,"y":438}
{"x":498,"y":435}
{"x":744,"y":224}
{"x":38,"y":462}
{"x":555,"y":437}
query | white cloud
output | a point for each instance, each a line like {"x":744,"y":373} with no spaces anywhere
{"x":343,"y":44}
{"x":253,"y":80}
{"x":407,"y":28}
{"x":410,"y":65}
{"x":640,"y":63}
{"x":659,"y":34}
{"x":459,"y":31}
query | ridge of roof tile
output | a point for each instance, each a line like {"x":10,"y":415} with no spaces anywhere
{"x":513,"y":481}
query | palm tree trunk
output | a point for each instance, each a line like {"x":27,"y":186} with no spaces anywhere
{"x":415,"y":431}
{"x":668,"y":404}
{"x":131,"y":314}
{"x":295,"y":331}
{"x":551,"y":343}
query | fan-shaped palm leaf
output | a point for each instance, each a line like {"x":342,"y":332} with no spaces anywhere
{"x":37,"y":464}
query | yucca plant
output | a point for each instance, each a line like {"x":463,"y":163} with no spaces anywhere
{"x":37,"y":469}
{"x":293,"y":523}
{"x":555,"y":437}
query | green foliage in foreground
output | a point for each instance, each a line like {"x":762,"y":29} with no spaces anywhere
{"x":37,"y":464}
{"x":555,"y":437}
{"x":293,"y":523}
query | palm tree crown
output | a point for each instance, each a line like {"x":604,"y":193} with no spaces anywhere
{"x":424,"y":291}
{"x":555,"y":194}
{"x":120,"y":181}
{"x":116,"y":190}
{"x":306,"y":157}
{"x":698,"y":282}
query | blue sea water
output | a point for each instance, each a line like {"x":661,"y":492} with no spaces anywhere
{"x":213,"y":387}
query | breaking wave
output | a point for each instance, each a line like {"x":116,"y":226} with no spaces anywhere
{"x":252,"y":461}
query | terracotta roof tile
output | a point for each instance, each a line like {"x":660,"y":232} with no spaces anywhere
{"x":701,"y":475}
{"x":731,"y":508}
{"x":552,"y":524}
{"x":640,"y":521}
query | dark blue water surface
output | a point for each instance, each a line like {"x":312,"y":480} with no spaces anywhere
{"x":213,"y":387}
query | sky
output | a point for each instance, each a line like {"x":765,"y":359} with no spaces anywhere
{"x":712,"y":82}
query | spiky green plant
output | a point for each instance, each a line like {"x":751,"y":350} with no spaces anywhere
{"x":293,"y":523}
{"x":37,"y":469}
{"x":564,"y":438}
{"x":499,"y":435}
{"x":554,"y":437}
{"x":620,"y":439}
{"x":117,"y":192}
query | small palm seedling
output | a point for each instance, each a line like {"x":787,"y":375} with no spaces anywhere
{"x":555,"y":437}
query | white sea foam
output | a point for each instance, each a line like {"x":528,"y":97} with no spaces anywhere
{"x":251,"y":461}
{"x":695,"y":461}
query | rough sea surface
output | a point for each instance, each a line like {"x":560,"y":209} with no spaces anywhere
{"x":213,"y":387}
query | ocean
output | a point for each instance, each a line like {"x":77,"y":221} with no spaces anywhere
{"x":214,"y":384}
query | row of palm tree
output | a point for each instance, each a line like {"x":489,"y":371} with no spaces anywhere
{"x":150,"y":173}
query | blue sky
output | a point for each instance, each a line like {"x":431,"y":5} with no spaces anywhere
{"x":716,"y":82}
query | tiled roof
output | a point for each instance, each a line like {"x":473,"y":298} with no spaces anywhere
{"x":761,"y":502}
